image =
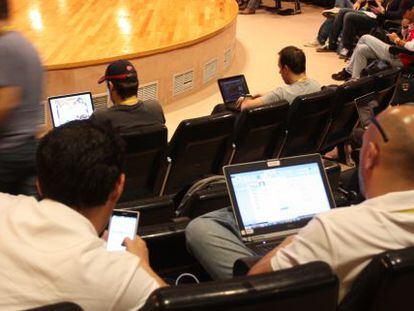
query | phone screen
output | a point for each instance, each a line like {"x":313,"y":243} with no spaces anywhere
{"x":123,"y":225}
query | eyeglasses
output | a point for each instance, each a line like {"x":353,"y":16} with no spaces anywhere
{"x":379,"y":128}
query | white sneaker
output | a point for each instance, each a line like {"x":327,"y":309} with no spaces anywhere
{"x":331,"y":12}
{"x":343,"y":53}
{"x":313,"y":44}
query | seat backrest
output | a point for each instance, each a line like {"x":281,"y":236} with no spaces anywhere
{"x":297,"y":288}
{"x":153,"y":211}
{"x":62,"y":306}
{"x":345,"y":114}
{"x":146,"y":162}
{"x":198,"y":148}
{"x":385,"y":284}
{"x":260,"y":132}
{"x":385,"y":83}
{"x":309,"y":117}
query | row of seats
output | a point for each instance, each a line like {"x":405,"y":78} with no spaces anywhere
{"x":314,"y":123}
{"x":385,"y":284}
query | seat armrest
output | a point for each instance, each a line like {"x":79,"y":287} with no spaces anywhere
{"x":243,"y":265}
{"x":394,"y":50}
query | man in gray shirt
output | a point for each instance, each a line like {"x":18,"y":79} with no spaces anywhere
{"x":128,"y":112}
{"x":292,"y":68}
{"x":21,"y":77}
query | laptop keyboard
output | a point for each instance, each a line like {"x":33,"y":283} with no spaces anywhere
{"x":263,"y":248}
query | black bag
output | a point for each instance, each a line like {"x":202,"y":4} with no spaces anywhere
{"x":374,"y":67}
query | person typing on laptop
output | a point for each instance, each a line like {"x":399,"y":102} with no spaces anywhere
{"x":345,"y":238}
{"x":292,"y":68}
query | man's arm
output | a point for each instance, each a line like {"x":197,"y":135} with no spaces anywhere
{"x":9,"y":99}
{"x":264,"y":266}
{"x":250,"y":103}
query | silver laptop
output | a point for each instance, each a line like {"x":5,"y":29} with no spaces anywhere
{"x":70,"y":107}
{"x":275,"y":198}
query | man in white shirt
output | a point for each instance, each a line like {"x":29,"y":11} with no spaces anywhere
{"x":50,"y":251}
{"x":345,"y":238}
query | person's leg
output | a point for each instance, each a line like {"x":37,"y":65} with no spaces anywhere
{"x":355,"y":23}
{"x":343,"y":4}
{"x":325,"y":30}
{"x":337,"y":28}
{"x":369,"y":47}
{"x":253,"y":4}
{"x":214,"y":240}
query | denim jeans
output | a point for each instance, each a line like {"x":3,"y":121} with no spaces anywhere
{"x":215,"y":241}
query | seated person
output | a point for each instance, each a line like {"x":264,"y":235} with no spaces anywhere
{"x":292,"y":68}
{"x":346,"y":238}
{"x":51,"y":250}
{"x":249,"y":6}
{"x":127,"y":111}
{"x":370,"y":47}
{"x":351,"y":23}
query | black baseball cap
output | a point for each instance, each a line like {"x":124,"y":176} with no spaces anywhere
{"x":119,"y":70}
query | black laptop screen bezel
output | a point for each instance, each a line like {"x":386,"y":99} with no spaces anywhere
{"x":223,"y":80}
{"x":271,"y":164}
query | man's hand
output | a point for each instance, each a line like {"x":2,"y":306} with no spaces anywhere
{"x":357,"y":5}
{"x":240,"y":102}
{"x":377,"y":10}
{"x":137,"y":247}
{"x":393,"y":37}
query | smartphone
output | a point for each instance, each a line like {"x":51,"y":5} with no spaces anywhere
{"x":123,"y":224}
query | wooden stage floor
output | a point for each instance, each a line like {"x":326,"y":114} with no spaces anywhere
{"x":78,"y":33}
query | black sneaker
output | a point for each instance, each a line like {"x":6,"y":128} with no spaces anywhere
{"x":343,"y":75}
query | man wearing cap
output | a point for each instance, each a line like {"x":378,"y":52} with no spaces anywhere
{"x":128,"y":111}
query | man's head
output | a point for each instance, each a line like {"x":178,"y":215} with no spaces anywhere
{"x":80,"y":164}
{"x":387,"y":161}
{"x":122,"y":80}
{"x":4,"y":10}
{"x":292,"y":62}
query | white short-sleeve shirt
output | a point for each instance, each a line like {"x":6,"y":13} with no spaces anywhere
{"x":348,"y":238}
{"x":50,"y":253}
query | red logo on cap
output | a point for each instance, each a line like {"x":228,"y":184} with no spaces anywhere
{"x":129,"y":68}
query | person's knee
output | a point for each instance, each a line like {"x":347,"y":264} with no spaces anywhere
{"x":198,"y":230}
{"x":364,"y":39}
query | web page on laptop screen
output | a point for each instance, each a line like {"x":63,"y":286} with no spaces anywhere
{"x":232,"y":90}
{"x":76,"y":107}
{"x":280,"y":195}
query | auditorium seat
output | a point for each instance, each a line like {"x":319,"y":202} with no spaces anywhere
{"x":298,"y":288}
{"x":384,"y":83}
{"x":345,"y":114}
{"x":146,"y":162}
{"x":260,"y":133}
{"x":198,"y":148}
{"x":63,"y":306}
{"x":153,"y":211}
{"x":308,"y":120}
{"x":385,"y":284}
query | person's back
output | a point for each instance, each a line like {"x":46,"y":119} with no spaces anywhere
{"x":51,"y":250}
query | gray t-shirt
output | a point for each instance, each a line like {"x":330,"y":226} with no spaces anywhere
{"x":20,"y":66}
{"x":291,"y":91}
{"x":125,"y":117}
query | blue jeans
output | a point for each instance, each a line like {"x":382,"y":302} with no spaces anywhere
{"x":215,"y":241}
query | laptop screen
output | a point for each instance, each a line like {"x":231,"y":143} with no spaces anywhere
{"x":277,"y":196}
{"x":232,"y":88}
{"x":70,"y":107}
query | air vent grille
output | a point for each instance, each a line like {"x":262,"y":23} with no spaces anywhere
{"x":183,"y":82}
{"x":210,"y":70}
{"x":148,"y":91}
{"x":228,"y":55}
{"x":100,"y":101}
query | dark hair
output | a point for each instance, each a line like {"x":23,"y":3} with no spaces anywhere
{"x":4,"y":9}
{"x":126,"y":88}
{"x":294,"y":58}
{"x":79,"y":163}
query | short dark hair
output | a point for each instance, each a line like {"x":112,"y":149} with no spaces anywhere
{"x":79,"y":163}
{"x":126,"y":88}
{"x":294,"y":58}
{"x":4,"y":9}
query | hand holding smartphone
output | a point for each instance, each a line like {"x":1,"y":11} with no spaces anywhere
{"x":123,"y":224}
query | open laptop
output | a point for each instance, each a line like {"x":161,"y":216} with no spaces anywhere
{"x":275,"y":198}
{"x":231,"y":89}
{"x":70,"y":107}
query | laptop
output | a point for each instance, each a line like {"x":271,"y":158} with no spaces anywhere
{"x":70,"y":107}
{"x":231,"y":89}
{"x":275,"y":198}
{"x":364,"y":108}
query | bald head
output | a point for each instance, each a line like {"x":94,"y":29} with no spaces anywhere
{"x":389,"y":166}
